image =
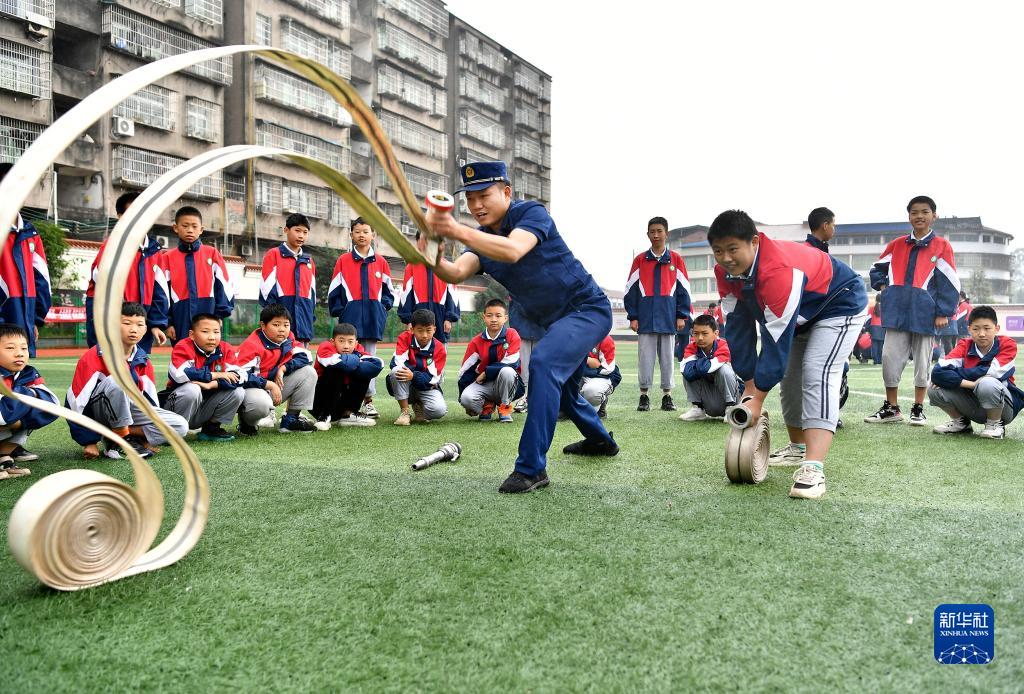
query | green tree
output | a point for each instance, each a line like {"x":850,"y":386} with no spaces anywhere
{"x":978,"y":287}
{"x":56,"y":245}
{"x":494,"y":290}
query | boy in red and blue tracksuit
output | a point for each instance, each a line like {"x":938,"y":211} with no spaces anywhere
{"x":974,"y":382}
{"x":146,"y":285}
{"x":806,"y":309}
{"x":197,"y":276}
{"x":601,"y":376}
{"x":711,"y":384}
{"x":17,"y":419}
{"x":657,"y":302}
{"x":289,"y":277}
{"x":423,"y":289}
{"x":24,"y":281}
{"x":920,"y":291}
{"x":876,"y":330}
{"x":361,"y":294}
{"x":344,"y":371}
{"x":489,"y":376}
{"x":417,"y":370}
{"x":963,"y":311}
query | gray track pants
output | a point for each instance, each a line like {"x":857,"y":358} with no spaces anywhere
{"x":217,"y":406}
{"x":596,"y":390}
{"x":498,"y":392}
{"x":110,"y":406}
{"x":525,"y":350}
{"x":434,"y":406}
{"x":896,"y":351}
{"x":663,"y":347}
{"x":715,"y":393}
{"x":371,"y":348}
{"x":298,"y":392}
{"x":989,"y":394}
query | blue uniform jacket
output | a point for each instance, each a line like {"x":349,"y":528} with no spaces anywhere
{"x":657,"y":292}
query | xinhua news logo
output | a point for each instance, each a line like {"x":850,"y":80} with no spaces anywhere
{"x":964,"y":634}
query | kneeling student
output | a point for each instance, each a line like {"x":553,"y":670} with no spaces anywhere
{"x":18,"y":420}
{"x":344,"y":372}
{"x":203,"y":383}
{"x":974,"y":382}
{"x":711,"y":384}
{"x":490,"y":376}
{"x":417,"y":370}
{"x":601,"y":376}
{"x":96,"y":395}
{"x":279,"y":370}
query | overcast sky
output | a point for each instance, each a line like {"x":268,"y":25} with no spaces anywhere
{"x":686,"y":109}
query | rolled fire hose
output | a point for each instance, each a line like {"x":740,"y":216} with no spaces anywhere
{"x":76,"y":529}
{"x":746,"y":446}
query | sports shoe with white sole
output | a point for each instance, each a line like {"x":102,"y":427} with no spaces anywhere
{"x":354,"y":420}
{"x":917,"y":416}
{"x":404,"y":419}
{"x":960,"y":425}
{"x":20,"y":455}
{"x":886,"y":414}
{"x":790,"y":454}
{"x":994,"y":429}
{"x":323,"y":424}
{"x":368,"y":410}
{"x":694,"y":414}
{"x":808,"y":482}
{"x":268,"y":422}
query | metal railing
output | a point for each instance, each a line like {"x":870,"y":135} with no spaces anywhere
{"x":528,"y":148}
{"x":28,"y":9}
{"x":411,"y":90}
{"x":431,"y":15}
{"x":420,"y":180}
{"x":24,"y":69}
{"x":329,"y":153}
{"x":316,"y":46}
{"x":340,"y":213}
{"x":15,"y":137}
{"x":414,"y":136}
{"x":264,"y":30}
{"x":268,"y":194}
{"x":285,"y":89}
{"x":482,"y":91}
{"x":139,"y":168}
{"x":203,"y":119}
{"x":482,"y":53}
{"x":335,"y":11}
{"x":408,"y":47}
{"x":480,"y":127}
{"x":206,"y":11}
{"x":152,"y":106}
{"x":309,"y":200}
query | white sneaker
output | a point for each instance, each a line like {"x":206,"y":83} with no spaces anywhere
{"x":694,"y":414}
{"x":960,"y":425}
{"x":368,"y":410}
{"x":994,"y":429}
{"x":355,"y":420}
{"x":268,"y":422}
{"x":404,"y":419}
{"x":791,"y":454}
{"x":808,"y":482}
{"x":323,"y":424}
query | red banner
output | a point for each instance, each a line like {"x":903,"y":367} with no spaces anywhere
{"x":66,"y":314}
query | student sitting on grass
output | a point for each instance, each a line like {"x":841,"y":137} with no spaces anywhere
{"x":974,"y":382}
{"x":417,"y":370}
{"x":18,"y":420}
{"x":203,"y":384}
{"x":601,"y":376}
{"x":711,"y":384}
{"x":279,"y":371}
{"x":96,"y":395}
{"x":344,"y":371}
{"x":489,"y":377}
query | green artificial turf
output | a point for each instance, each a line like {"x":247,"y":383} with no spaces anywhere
{"x":328,"y":564}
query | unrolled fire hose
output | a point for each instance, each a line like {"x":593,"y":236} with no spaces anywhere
{"x":746,"y":445}
{"x":76,"y":529}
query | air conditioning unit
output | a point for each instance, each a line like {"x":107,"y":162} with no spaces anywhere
{"x":39,"y":19}
{"x":123,"y":127}
{"x":36,"y":31}
{"x":407,"y":230}
{"x":162,"y":241}
{"x":260,"y":90}
{"x":246,"y":249}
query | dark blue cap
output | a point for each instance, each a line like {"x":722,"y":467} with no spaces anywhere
{"x":481,"y":174}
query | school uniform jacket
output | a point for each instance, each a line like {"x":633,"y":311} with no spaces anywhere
{"x":920,"y":283}
{"x":426,"y":363}
{"x":261,"y":358}
{"x":198,"y":282}
{"x":606,"y":368}
{"x":698,"y":364}
{"x":966,"y":363}
{"x":147,"y":285}
{"x":190,"y":363}
{"x":963,"y":312}
{"x":422,"y":289}
{"x":90,"y":370}
{"x":657,"y":292}
{"x":788,"y":289}
{"x":361,"y":293}
{"x":290,"y":280}
{"x":358,"y":364}
{"x":25,"y":382}
{"x":487,"y":355}
{"x":24,"y":280}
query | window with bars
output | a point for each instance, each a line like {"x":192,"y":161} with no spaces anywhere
{"x":532,"y":81}
{"x":234,"y":187}
{"x":471,"y":155}
{"x":151,"y":40}
{"x":284,"y":88}
{"x":15,"y":137}
{"x":152,"y":106}
{"x":340,"y":213}
{"x":24,"y":69}
{"x":473,"y":87}
{"x":335,"y":11}
{"x":203,"y":119}
{"x":28,"y":9}
{"x":527,"y":184}
{"x":325,"y":152}
{"x":529,"y":117}
{"x":420,"y":180}
{"x":206,"y":11}
{"x":309,"y":200}
{"x":264,"y":30}
{"x":395,"y":213}
{"x":140,"y":168}
{"x":267,"y":194}
{"x":414,"y":136}
{"x":408,"y":47}
{"x":413,"y":91}
{"x":546,"y":155}
{"x":431,"y":15}
{"x":480,"y":127}
{"x":316,"y":46}
{"x":528,"y":148}
{"x":482,"y":52}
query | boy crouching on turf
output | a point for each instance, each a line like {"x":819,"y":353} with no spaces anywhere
{"x":601,"y":376}
{"x":344,"y":372}
{"x":204,"y":383}
{"x":279,"y":371}
{"x":18,"y":420}
{"x":711,"y":384}
{"x":974,"y":382}
{"x":97,"y":396}
{"x":807,"y":307}
{"x":489,"y":376}
{"x":417,"y":370}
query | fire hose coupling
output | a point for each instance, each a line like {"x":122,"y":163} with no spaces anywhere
{"x":440,"y":201}
{"x":448,"y":452}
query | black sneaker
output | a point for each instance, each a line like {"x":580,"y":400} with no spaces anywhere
{"x":666,"y":403}
{"x":518,"y":483}
{"x":213,"y":431}
{"x":116,"y":452}
{"x":917,"y":417}
{"x":645,"y":403}
{"x":20,"y":455}
{"x":588,"y":447}
{"x":292,"y":423}
{"x":602,"y":411}
{"x":247,"y":429}
{"x":886,"y":413}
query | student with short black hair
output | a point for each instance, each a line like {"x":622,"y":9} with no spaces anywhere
{"x":422,"y":288}
{"x":417,"y":369}
{"x":822,"y":225}
{"x":289,"y":277}
{"x":711,"y":384}
{"x":974,"y":382}
{"x":601,"y":376}
{"x":344,"y":371}
{"x":17,"y":419}
{"x":489,"y":377}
